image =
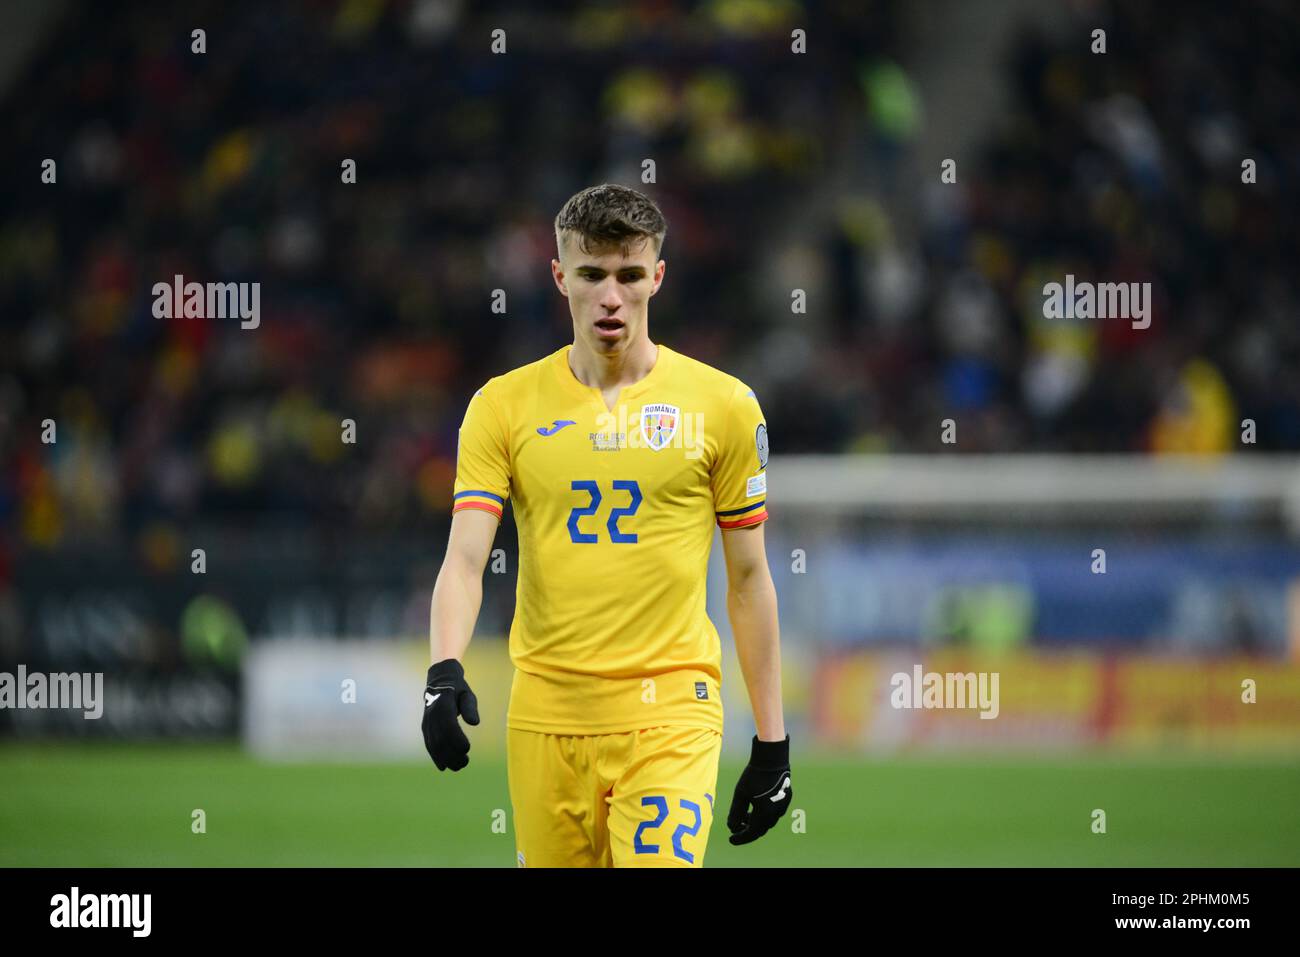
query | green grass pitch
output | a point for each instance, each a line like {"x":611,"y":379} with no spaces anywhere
{"x":130,"y":805}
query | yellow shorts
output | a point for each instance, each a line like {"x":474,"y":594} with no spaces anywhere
{"x":633,"y":799}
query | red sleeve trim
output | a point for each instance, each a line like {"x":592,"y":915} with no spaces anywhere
{"x":481,"y":506}
{"x":747,"y":520}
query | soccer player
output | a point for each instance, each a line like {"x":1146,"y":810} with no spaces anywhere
{"x":619,"y":456}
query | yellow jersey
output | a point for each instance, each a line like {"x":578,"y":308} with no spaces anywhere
{"x":615,"y":510}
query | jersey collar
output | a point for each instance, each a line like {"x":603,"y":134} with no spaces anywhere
{"x":570,"y":381}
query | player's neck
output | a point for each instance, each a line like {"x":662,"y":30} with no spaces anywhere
{"x":610,"y":371}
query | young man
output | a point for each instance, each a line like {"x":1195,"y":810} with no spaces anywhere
{"x":619,"y":455}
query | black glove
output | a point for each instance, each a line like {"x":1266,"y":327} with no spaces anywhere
{"x":446,"y":696}
{"x":765,"y":783}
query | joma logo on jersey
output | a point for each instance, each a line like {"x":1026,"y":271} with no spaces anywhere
{"x":556,"y":425}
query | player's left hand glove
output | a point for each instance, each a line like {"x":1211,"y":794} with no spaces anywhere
{"x":446,"y":698}
{"x":764,"y":784}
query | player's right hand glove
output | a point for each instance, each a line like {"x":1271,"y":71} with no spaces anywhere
{"x":447,"y":697}
{"x":765,"y":784}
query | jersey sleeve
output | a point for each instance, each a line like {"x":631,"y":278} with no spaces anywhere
{"x":482,"y":458}
{"x":740,"y":471}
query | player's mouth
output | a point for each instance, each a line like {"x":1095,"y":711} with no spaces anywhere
{"x":609,"y":328}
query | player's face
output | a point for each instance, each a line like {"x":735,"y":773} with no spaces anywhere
{"x":608,"y":292}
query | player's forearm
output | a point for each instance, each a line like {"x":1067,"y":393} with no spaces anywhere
{"x":457,"y":595}
{"x":751,"y":606}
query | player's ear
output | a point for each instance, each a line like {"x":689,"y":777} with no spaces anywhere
{"x":557,"y":273}
{"x":660,"y":269}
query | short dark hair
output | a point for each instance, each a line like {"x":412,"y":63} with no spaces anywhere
{"x":610,"y":215}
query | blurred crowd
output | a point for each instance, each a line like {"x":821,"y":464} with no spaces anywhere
{"x":1128,"y":166}
{"x":376,"y":296}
